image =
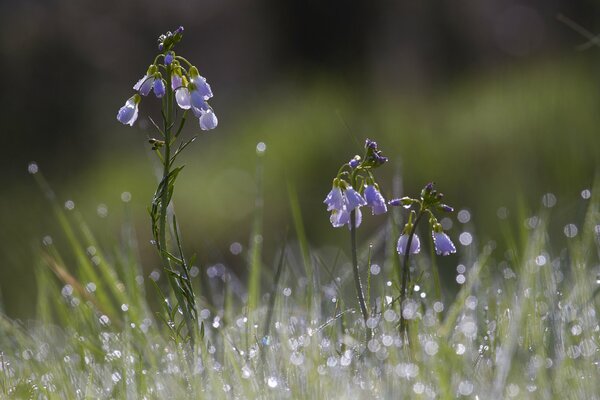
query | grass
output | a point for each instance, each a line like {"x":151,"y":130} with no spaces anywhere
{"x":523,"y":323}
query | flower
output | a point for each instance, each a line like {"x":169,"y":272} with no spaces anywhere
{"x":415,"y":245}
{"x":208,"y":120}
{"x":144,"y":85}
{"x":169,"y":58}
{"x":200,"y":90}
{"x":159,"y":87}
{"x":443,"y":244}
{"x":353,"y":198}
{"x":339,"y":217}
{"x":334,"y":199}
{"x":341,"y":204}
{"x":182,"y":93}
{"x":129,"y":112}
{"x":375,"y":200}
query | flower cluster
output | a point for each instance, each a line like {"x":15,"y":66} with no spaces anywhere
{"x":355,"y":187}
{"x":429,"y":201}
{"x":191,"y":90}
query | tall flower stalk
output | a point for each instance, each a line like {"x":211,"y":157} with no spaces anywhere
{"x":409,"y":242}
{"x":186,"y":90}
{"x":355,"y":187}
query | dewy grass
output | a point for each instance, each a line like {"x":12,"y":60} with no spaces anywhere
{"x":523,"y":324}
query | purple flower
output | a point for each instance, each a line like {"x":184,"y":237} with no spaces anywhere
{"x":375,"y":200}
{"x":415,"y":245}
{"x":354,"y":162}
{"x":169,"y":58}
{"x":129,"y":112}
{"x":339,"y":217}
{"x":334,"y":199}
{"x":443,"y":244}
{"x":369,"y":144}
{"x":208,"y":120}
{"x":144,"y":85}
{"x":353,"y":199}
{"x":200,"y":90}
{"x":176,"y":81}
{"x":182,"y":94}
{"x":159,"y":87}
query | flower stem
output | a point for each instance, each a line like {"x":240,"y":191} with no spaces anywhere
{"x":406,"y":271}
{"x":357,"y":283}
{"x":178,"y":291}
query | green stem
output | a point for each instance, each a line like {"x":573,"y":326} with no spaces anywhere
{"x":406,"y":271}
{"x":187,"y":308}
{"x":357,"y":283}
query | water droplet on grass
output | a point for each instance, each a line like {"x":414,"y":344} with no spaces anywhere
{"x":465,"y":238}
{"x":272,"y":382}
{"x":261,"y":147}
{"x":287,"y":292}
{"x":235,"y":248}
{"x":465,"y":388}
{"x":125,"y":197}
{"x":463,"y":216}
{"x":549,"y":200}
{"x":102,"y":210}
{"x":69,"y":205}
{"x":586,"y":194}
{"x":32,"y":168}
{"x":375,"y":269}
{"x":570,"y":230}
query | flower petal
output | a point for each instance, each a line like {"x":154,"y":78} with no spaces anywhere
{"x":208,"y":120}
{"x":443,"y":244}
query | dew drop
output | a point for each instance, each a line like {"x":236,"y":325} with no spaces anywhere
{"x":465,"y":238}
{"x":465,"y":388}
{"x":287,"y":292}
{"x":102,"y":210}
{"x":261,"y":147}
{"x":463,"y":216}
{"x":125,"y":197}
{"x":375,"y":269}
{"x":235,"y":248}
{"x":69,"y":205}
{"x":549,"y":200}
{"x":272,"y":382}
{"x":32,"y":168}
{"x":570,"y":230}
{"x":586,"y":194}
{"x":104,"y":320}
{"x":116,"y":377}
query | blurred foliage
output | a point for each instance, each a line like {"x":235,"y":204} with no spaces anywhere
{"x":502,"y":138}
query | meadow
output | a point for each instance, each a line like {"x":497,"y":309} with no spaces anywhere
{"x":511,"y":315}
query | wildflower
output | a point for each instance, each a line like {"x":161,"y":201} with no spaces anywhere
{"x":375,"y":200}
{"x":339,"y":217}
{"x":443,"y":244}
{"x":151,"y":80}
{"x":200,"y":90}
{"x":353,"y":199}
{"x":182,"y":93}
{"x":159,"y":87}
{"x":169,"y":58}
{"x":144,"y":85}
{"x":334,"y":199}
{"x":129,"y":112}
{"x":208,"y":120}
{"x":415,"y":245}
{"x":354,"y":162}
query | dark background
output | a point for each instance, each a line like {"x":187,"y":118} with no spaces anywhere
{"x":497,"y":101}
